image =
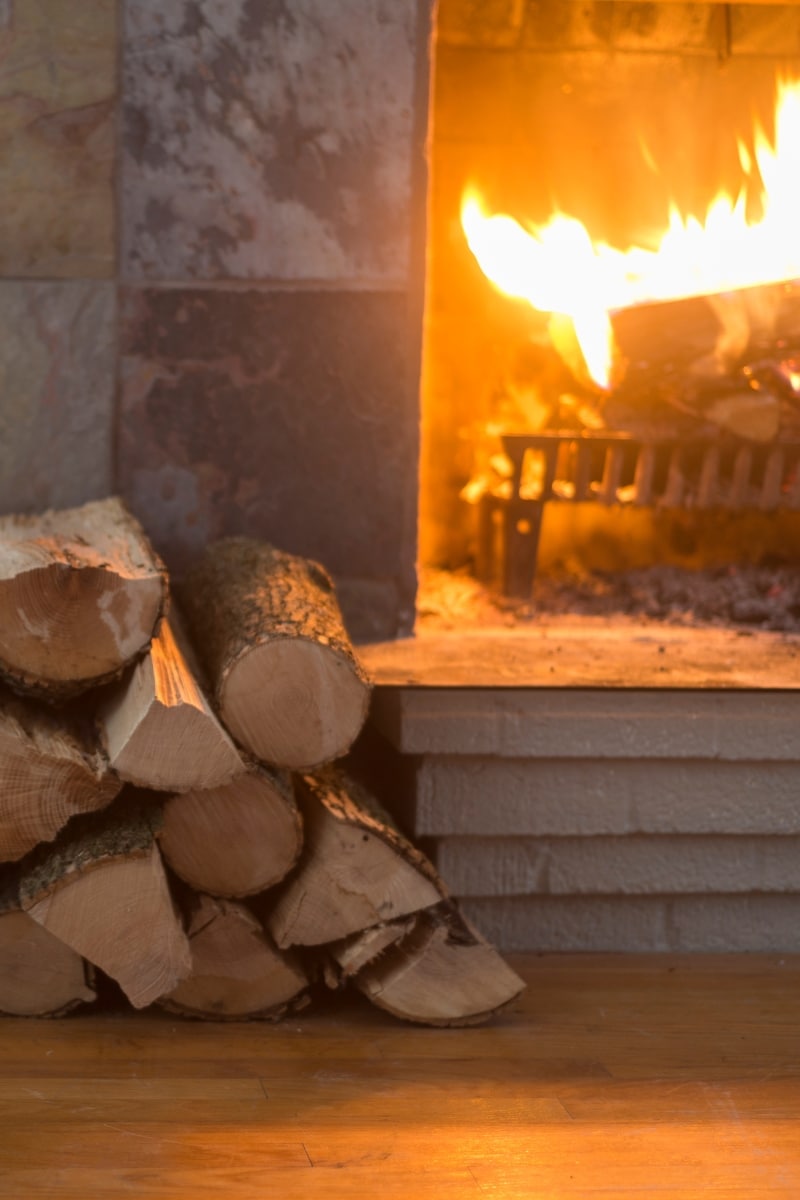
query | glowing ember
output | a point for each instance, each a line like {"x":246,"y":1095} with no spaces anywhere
{"x":557,"y":267}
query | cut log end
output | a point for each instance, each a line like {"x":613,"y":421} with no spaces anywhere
{"x":39,"y":975}
{"x":356,"y":871}
{"x":235,"y":840}
{"x":81,"y":593}
{"x":48,"y":774}
{"x":236,"y":971}
{"x":442,"y":973}
{"x":295,"y":703}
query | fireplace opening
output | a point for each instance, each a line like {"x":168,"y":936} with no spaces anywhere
{"x":604,"y":431}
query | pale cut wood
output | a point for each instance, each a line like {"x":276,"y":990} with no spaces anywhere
{"x":81,"y":593}
{"x":39,"y":975}
{"x":346,"y":958}
{"x":236,"y":971}
{"x":48,"y":773}
{"x":235,"y":840}
{"x":101,"y":889}
{"x":286,"y":679}
{"x":356,"y":870}
{"x":158,"y":728}
{"x":442,"y":973}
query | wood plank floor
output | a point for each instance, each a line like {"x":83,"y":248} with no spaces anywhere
{"x":613,"y":1076}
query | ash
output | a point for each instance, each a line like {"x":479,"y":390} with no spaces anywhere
{"x":765,"y":597}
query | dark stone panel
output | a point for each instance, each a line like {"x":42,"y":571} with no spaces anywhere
{"x":279,"y":414}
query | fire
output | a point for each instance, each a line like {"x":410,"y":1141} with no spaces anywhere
{"x":559,"y":269}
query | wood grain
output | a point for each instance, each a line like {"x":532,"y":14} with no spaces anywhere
{"x":611,"y":1076}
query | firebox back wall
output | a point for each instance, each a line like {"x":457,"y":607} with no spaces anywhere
{"x":206,"y":295}
{"x":607,"y":111}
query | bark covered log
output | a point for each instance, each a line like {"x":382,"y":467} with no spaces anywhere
{"x":49,"y":771}
{"x":158,"y":727}
{"x":236,"y":971}
{"x":101,"y":889}
{"x":234,"y":840}
{"x":39,"y":975}
{"x":356,"y":870}
{"x":441,"y":973}
{"x":81,"y":593}
{"x":286,"y":680}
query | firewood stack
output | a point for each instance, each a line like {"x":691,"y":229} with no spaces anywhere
{"x":169,"y":811}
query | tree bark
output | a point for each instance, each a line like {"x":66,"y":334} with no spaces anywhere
{"x":158,"y":728}
{"x":286,"y":680}
{"x":236,"y":972}
{"x":234,"y":840}
{"x":39,"y":975}
{"x":441,"y":973}
{"x":81,"y":593}
{"x":49,"y":772}
{"x":101,"y":889}
{"x":356,"y":870}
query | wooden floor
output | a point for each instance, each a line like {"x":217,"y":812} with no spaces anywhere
{"x":668,"y":1077}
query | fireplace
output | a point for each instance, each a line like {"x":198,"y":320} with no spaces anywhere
{"x":220,"y":257}
{"x":619,"y":119}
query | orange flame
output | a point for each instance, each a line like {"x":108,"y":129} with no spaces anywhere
{"x":557,"y":267}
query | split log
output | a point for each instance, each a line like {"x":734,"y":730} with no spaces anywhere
{"x":356,"y":870}
{"x":158,"y":728}
{"x":286,"y":680}
{"x":39,"y":975}
{"x":48,"y":773}
{"x":235,"y":840}
{"x":236,"y":971}
{"x":442,"y":973}
{"x":345,"y":959}
{"x":101,"y":889}
{"x":81,"y":593}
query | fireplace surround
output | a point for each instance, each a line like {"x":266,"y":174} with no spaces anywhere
{"x":215,"y":276}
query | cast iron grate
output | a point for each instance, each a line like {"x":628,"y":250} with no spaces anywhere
{"x":617,"y":468}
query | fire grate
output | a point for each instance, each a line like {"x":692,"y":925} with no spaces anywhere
{"x":617,"y":468}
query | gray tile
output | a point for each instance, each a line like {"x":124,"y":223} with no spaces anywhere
{"x":267,"y":140}
{"x":57,"y":364}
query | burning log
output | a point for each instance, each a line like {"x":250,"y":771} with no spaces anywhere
{"x":234,"y":840}
{"x":158,"y":728}
{"x":696,"y":366}
{"x":440,"y":973}
{"x":236,"y":971}
{"x":39,"y":975}
{"x":285,"y":677}
{"x":48,"y":773}
{"x":101,"y":890}
{"x":357,"y":870}
{"x":81,"y":593}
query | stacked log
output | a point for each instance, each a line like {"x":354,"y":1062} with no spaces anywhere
{"x":174,"y":811}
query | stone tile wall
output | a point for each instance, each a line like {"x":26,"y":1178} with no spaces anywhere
{"x":207,"y":289}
